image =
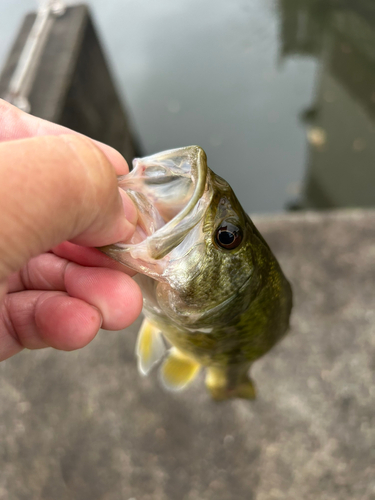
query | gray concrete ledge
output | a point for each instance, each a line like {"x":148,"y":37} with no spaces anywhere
{"x":85,"y":426}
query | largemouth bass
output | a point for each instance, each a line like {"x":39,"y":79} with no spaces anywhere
{"x":214,"y":294}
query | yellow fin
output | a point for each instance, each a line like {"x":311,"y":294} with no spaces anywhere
{"x":220,"y":389}
{"x":150,"y":346}
{"x":178,"y":370}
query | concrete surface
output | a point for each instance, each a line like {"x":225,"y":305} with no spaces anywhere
{"x":85,"y":426}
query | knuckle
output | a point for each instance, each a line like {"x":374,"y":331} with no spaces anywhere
{"x":6,"y":317}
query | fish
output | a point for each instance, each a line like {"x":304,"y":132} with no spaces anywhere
{"x":215,"y":297}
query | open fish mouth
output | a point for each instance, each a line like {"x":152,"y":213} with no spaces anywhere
{"x":171,"y":193}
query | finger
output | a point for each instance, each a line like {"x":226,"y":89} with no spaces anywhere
{"x":3,"y":290}
{"x":45,"y":272}
{"x":35,"y":320}
{"x":115,"y":294}
{"x":89,"y":257}
{"x":16,"y":124}
{"x":60,"y":188}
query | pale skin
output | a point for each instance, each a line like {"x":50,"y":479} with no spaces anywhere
{"x":58,"y":199}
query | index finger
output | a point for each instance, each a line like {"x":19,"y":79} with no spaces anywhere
{"x":16,"y":124}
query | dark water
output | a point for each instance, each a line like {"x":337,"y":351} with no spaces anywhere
{"x":340,"y":161}
{"x":280,"y":93}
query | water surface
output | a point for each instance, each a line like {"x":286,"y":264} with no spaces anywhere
{"x":280,"y":93}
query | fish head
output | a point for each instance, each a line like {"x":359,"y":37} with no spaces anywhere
{"x":192,"y":235}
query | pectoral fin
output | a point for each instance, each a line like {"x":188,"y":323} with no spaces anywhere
{"x":178,"y":370}
{"x":150,"y":346}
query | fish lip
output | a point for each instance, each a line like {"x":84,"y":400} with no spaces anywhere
{"x":170,"y":235}
{"x":166,"y":238}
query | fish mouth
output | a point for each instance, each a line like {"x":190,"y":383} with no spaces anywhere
{"x":171,"y":193}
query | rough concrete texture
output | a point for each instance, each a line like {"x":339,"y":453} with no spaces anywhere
{"x":86,"y":426}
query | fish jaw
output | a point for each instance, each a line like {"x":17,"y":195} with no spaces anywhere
{"x":171,"y":191}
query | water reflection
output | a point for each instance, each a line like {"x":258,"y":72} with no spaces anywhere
{"x":341,"y":121}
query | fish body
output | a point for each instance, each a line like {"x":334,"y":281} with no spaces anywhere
{"x":211,"y":285}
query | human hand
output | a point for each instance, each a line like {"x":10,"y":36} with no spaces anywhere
{"x":58,"y":195}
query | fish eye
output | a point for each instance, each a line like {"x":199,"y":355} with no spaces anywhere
{"x":228,"y":235}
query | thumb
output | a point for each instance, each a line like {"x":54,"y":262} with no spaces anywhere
{"x":57,"y":188}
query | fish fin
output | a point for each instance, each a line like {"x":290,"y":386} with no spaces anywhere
{"x":220,"y":389}
{"x":178,"y":370}
{"x":150,"y":346}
